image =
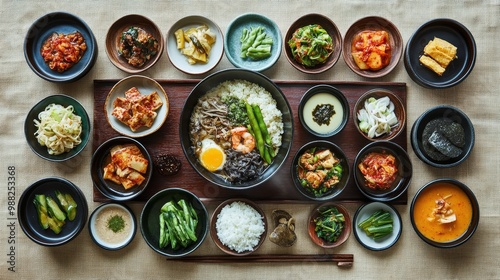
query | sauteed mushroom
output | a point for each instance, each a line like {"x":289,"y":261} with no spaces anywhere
{"x":284,"y":231}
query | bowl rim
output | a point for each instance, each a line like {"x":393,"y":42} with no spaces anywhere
{"x":186,"y":110}
{"x":262,"y":64}
{"x":203,"y":68}
{"x":92,"y":229}
{"x":474,"y":220}
{"x":384,"y":92}
{"x":213,"y":230}
{"x":82,"y":208}
{"x":394,"y":238}
{"x":416,"y":146}
{"x":468,"y":65}
{"x":329,"y":89}
{"x":404,"y":182}
{"x":318,"y":143}
{"x":40,"y":24}
{"x":159,"y":121}
{"x":157,"y":196}
{"x":347,"y":225}
{"x":131,"y":19}
{"x":96,"y":164}
{"x":395,"y":57}
{"x":84,"y":135}
{"x":334,"y":57}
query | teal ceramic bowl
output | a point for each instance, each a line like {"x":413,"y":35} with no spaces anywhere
{"x":232,"y":44}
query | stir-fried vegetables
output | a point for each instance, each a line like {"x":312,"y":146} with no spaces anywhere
{"x":378,"y":225}
{"x":329,"y":224}
{"x":311,"y":45}
{"x":377,"y":116}
{"x":319,"y":171}
{"x":58,"y":129}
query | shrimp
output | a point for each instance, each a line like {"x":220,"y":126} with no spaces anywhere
{"x":242,"y":140}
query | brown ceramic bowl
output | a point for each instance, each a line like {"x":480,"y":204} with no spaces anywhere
{"x":332,"y":30}
{"x":214,"y":233}
{"x":399,"y":110}
{"x":311,"y":225}
{"x":113,"y":41}
{"x":373,"y":23}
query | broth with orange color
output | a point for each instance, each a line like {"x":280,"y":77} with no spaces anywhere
{"x":426,"y":203}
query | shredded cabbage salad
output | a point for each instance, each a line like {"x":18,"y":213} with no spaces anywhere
{"x":377,"y":117}
{"x":59,"y":129}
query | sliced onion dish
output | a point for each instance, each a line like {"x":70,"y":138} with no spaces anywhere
{"x":377,"y":117}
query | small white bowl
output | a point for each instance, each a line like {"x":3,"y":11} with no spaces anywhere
{"x":101,"y":214}
{"x":179,"y":60}
{"x":146,"y":86}
{"x":363,"y":213}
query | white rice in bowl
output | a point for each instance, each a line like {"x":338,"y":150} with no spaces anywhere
{"x":239,"y":226}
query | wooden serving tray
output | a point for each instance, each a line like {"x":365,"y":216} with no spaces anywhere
{"x":279,"y":188}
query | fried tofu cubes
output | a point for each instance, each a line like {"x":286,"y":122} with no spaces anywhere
{"x":371,"y":50}
{"x":135,"y":109}
{"x":127,"y":167}
{"x":438,"y":54}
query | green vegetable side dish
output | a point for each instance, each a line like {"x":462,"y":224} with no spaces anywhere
{"x":329,"y":224}
{"x":311,"y":45}
{"x":378,"y":225}
{"x":53,"y":213}
{"x":116,"y":223}
{"x":256,"y":44}
{"x":178,"y":222}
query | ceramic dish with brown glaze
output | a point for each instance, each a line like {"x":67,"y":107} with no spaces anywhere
{"x":312,"y":225}
{"x":373,"y":23}
{"x":398,"y":109}
{"x":331,"y":29}
{"x":115,"y":33}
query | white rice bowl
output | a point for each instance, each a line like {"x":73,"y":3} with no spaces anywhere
{"x":239,"y":226}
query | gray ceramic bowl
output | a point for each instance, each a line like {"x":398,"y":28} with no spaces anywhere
{"x":211,"y":82}
{"x":30,"y":128}
{"x":474,"y":216}
{"x":420,"y":140}
{"x":232,"y":44}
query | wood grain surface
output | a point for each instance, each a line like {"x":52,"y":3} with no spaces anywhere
{"x":279,"y":188}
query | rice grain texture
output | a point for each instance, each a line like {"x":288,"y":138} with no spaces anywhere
{"x":239,"y":226}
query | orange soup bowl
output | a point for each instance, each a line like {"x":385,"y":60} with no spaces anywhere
{"x":444,"y":213}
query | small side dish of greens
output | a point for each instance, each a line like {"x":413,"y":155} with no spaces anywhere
{"x":329,"y":224}
{"x":311,"y":45}
{"x":255,"y":43}
{"x":378,"y":225}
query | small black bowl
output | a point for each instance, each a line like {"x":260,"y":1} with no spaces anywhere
{"x":403,"y":177}
{"x":428,"y":155}
{"x":58,"y":22}
{"x":306,"y":106}
{"x":458,"y":70}
{"x":150,"y":226}
{"x":474,"y":222}
{"x":333,"y":192}
{"x":28,"y":217}
{"x":102,"y":157}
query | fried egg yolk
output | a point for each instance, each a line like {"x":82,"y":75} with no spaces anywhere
{"x":212,"y":156}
